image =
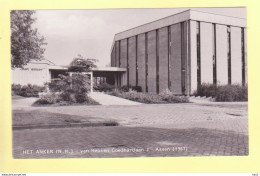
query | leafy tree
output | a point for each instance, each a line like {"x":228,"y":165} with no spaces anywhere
{"x":74,"y":88}
{"x":26,"y":43}
{"x":80,"y":64}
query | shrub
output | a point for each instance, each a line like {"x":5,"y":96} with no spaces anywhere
{"x":50,"y":98}
{"x":151,"y":98}
{"x":208,"y":90}
{"x":126,"y":88}
{"x":169,"y":97}
{"x":72,"y":89}
{"x":104,"y":87}
{"x":27,"y":90}
{"x":137,"y":88}
{"x":232,"y":93}
{"x":224,"y":92}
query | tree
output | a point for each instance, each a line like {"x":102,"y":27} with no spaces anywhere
{"x":80,"y":64}
{"x":26,"y":42}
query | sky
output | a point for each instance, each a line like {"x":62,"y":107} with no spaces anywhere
{"x":91,"y":32}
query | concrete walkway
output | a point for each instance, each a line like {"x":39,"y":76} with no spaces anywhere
{"x":105,"y":99}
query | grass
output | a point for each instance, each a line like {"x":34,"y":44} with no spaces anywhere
{"x":40,"y":118}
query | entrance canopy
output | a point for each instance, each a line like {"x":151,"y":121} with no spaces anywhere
{"x":104,"y":71}
{"x":114,"y":75}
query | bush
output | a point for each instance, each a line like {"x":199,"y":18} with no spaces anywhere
{"x":151,"y":98}
{"x":27,"y":90}
{"x":104,"y":87}
{"x":56,"y":98}
{"x":224,"y":92}
{"x":126,"y":88}
{"x":232,"y":93}
{"x":71,"y":89}
{"x":169,"y":97}
{"x":50,"y":98}
{"x":208,"y":90}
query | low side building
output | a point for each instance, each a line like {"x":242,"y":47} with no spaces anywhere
{"x":181,"y":52}
{"x":37,"y":72}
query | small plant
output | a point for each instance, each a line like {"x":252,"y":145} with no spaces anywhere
{"x":104,"y":87}
{"x":126,"y":88}
{"x":50,"y":98}
{"x":27,"y":90}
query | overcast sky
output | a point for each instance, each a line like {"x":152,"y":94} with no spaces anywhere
{"x":91,"y":32}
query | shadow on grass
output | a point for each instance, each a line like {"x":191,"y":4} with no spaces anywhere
{"x":38,"y":119}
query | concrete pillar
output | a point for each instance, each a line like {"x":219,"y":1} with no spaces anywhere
{"x":163,"y":59}
{"x":236,"y":57}
{"x":175,"y":60}
{"x":151,"y":46}
{"x":222,"y":61}
{"x":206,"y":53}
{"x":132,"y":61}
{"x":193,"y":56}
{"x":141,"y":61}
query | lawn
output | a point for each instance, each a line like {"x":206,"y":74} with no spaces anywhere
{"x":41,"y":118}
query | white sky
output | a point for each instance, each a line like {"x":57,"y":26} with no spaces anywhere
{"x":91,"y":32}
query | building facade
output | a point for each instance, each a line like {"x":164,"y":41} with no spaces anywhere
{"x":37,"y":72}
{"x":181,"y":52}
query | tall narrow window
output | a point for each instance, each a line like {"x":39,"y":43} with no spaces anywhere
{"x":127,"y":60}
{"x":146,"y":61}
{"x":214,"y":55}
{"x":136,"y":56}
{"x":169,"y":57}
{"x":119,"y":53}
{"x":157,"y":61}
{"x":182,"y":59}
{"x":198,"y":55}
{"x":243,"y":55}
{"x":229,"y":53}
{"x":115,"y":62}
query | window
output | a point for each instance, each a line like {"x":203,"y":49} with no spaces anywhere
{"x":214,"y":55}
{"x":146,"y":61}
{"x":157,"y":61}
{"x":243,"y":55}
{"x":169,"y":57}
{"x":127,"y":60}
{"x":229,"y":53}
{"x":198,"y":55}
{"x":136,"y":66}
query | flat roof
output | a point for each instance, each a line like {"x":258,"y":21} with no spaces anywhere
{"x":180,"y":17}
{"x":109,"y":69}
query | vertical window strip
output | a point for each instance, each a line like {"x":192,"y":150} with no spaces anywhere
{"x":127,"y":60}
{"x":169,"y":57}
{"x":182,"y":59}
{"x":157,"y":61}
{"x":146,"y":61}
{"x":198,"y":56}
{"x":136,"y":57}
{"x":229,"y":53}
{"x":115,"y":62}
{"x":214,"y":56}
{"x":243,"y":55}
{"x":119,"y":58}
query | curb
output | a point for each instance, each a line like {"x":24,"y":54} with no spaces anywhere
{"x":70,"y":125}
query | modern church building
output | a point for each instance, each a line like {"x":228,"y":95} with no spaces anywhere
{"x":181,"y":52}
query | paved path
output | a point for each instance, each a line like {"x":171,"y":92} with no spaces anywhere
{"x":105,"y":99}
{"x":191,"y":129}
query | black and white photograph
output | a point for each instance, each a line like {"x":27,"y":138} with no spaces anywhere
{"x":117,"y":83}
